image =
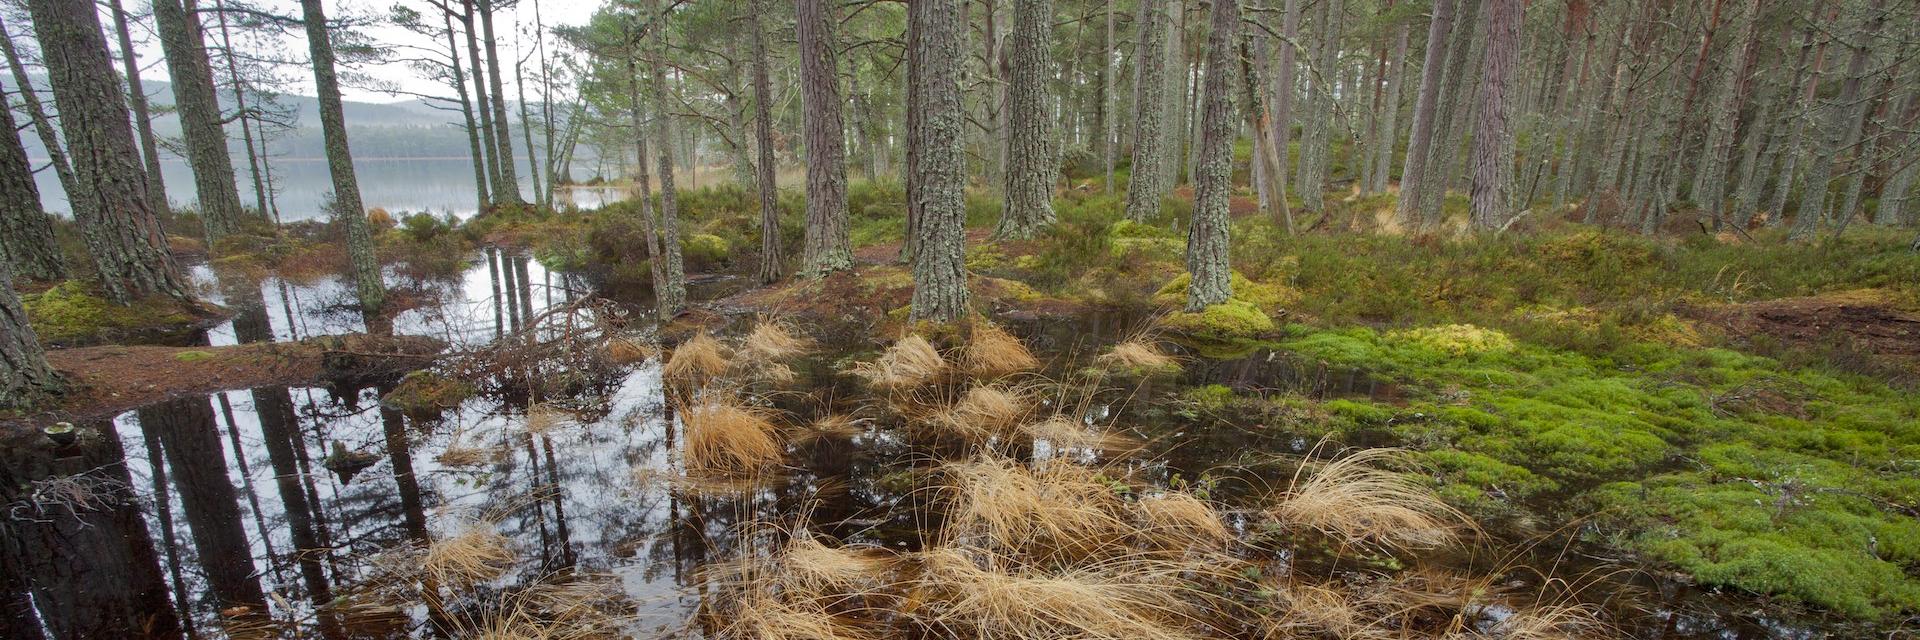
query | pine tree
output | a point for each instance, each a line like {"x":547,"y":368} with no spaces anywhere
{"x":938,"y":173}
{"x":828,"y":247}
{"x":182,"y":38}
{"x":1143,"y":186}
{"x":1492,"y":192}
{"x":347,"y":209}
{"x":1213,"y":176}
{"x":1031,"y":166}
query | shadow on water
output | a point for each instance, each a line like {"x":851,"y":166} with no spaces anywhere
{"x":234,"y":511}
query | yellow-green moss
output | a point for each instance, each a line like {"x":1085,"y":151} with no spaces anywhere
{"x":1455,"y":339}
{"x":704,"y":247}
{"x":73,"y":312}
{"x":1228,"y":320}
{"x":1263,"y":296}
{"x":192,"y":356}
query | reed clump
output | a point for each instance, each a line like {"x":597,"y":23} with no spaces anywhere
{"x":983,"y":413}
{"x":1138,"y":355}
{"x":1356,"y":501}
{"x":997,"y":503}
{"x":700,"y":357}
{"x":628,"y":350}
{"x":1176,"y":520}
{"x":1128,"y":598}
{"x":910,"y":362}
{"x":1064,"y":432}
{"x":476,"y":555}
{"x":772,"y":340}
{"x":991,"y":352}
{"x":724,"y":436}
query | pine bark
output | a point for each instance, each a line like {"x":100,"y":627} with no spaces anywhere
{"x":368,"y":288}
{"x":1284,"y":81}
{"x":1207,"y":238}
{"x":480,"y":186}
{"x":506,"y":190}
{"x":526,"y":136}
{"x":1492,"y":191}
{"x":25,"y":377}
{"x":1847,"y":113}
{"x":1709,"y":186}
{"x":26,"y":231}
{"x":1413,"y":173}
{"x":1109,"y":118}
{"x":255,"y":170}
{"x":489,"y":137}
{"x":191,"y":73}
{"x":939,"y":261}
{"x":673,"y":299}
{"x":1143,"y":186}
{"x":771,"y":260}
{"x":137,"y":99}
{"x":77,"y":198}
{"x":828,"y":246}
{"x":122,"y":234}
{"x":1389,"y":114}
{"x":1456,"y":105}
{"x":1031,"y":166}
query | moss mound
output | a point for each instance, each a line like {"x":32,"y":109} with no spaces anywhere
{"x":1230,"y":320}
{"x":75,"y":313}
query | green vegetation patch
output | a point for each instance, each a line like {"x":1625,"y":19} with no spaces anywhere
{"x":75,"y":312}
{"x":1228,"y":320}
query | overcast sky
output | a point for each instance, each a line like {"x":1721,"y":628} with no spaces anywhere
{"x":507,"y":23}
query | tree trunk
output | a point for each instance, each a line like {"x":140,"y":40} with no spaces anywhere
{"x":1492,"y":191}
{"x":188,"y":435}
{"x":1319,"y":120}
{"x":770,"y":254}
{"x":77,"y":198}
{"x":939,"y":262}
{"x":1207,"y":238}
{"x":142,"y":124}
{"x":1847,"y":112}
{"x":1806,"y":85}
{"x":1109,"y":116}
{"x":1413,"y":173}
{"x":1390,"y":115}
{"x":480,"y":193}
{"x":526,"y":135}
{"x":828,"y":246}
{"x":488,"y":135}
{"x":254,"y":161}
{"x":193,"y":96}
{"x":280,"y":436}
{"x":655,"y":257}
{"x":1723,"y":112}
{"x":674,"y":299}
{"x":1284,"y":87}
{"x":1030,"y":137}
{"x":26,"y":231}
{"x":1455,"y":108}
{"x":25,"y":376}
{"x":368,"y":287}
{"x":506,"y":190}
{"x":122,"y":234}
{"x":1143,"y":186}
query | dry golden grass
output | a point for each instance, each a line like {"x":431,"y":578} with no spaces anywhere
{"x":580,"y":609}
{"x":1176,"y":519}
{"x":910,"y":362}
{"x":833,"y":426}
{"x":1065,"y":509}
{"x":1130,"y":598}
{"x":1358,"y":502}
{"x":477,"y":554}
{"x":992,"y":352}
{"x":809,"y":567}
{"x":771,"y":340}
{"x":699,"y":357}
{"x":625,"y":350}
{"x":544,"y":418}
{"x":725,"y":436}
{"x":983,"y":413}
{"x":458,"y":455}
{"x":1139,"y":355}
{"x":1064,"y":432}
{"x":1552,"y":622}
{"x":759,"y":616}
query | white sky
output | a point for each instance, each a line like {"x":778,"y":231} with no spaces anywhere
{"x":506,"y":23}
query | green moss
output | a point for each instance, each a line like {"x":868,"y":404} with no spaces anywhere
{"x":426,"y":392}
{"x":1174,"y":293}
{"x":1228,"y":320}
{"x":705,"y":248}
{"x":193,"y":356}
{"x":74,"y":312}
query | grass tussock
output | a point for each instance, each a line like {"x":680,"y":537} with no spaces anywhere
{"x":833,"y":426}
{"x":992,"y":352}
{"x":727,"y":437}
{"x":1177,"y":520}
{"x":1064,"y":432}
{"x":545,"y":418}
{"x":807,"y":566}
{"x":625,"y":350}
{"x":1130,"y":598}
{"x":1138,"y":355}
{"x":1065,"y":509}
{"x":1357,"y":501}
{"x":985,"y":412}
{"x":476,"y":555}
{"x":763,"y":617}
{"x":910,"y":362}
{"x":771,"y":340}
{"x":584,"y":608}
{"x":462,"y":455}
{"x":700,"y":357}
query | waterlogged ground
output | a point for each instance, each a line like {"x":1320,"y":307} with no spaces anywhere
{"x":587,"y":492}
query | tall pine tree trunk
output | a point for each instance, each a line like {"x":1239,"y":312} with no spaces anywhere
{"x":1413,"y":174}
{"x":78,"y":199}
{"x":674,"y":299}
{"x":939,"y":171}
{"x":526,"y":135}
{"x":26,"y":231}
{"x":507,"y":189}
{"x":480,"y":193}
{"x":368,"y":288}
{"x":489,"y":137}
{"x":1284,"y":86}
{"x":25,"y":376}
{"x":191,"y":74}
{"x":1143,"y":186}
{"x":1492,"y":192}
{"x":1030,"y":137}
{"x":1110,"y":117}
{"x":1390,"y":115}
{"x":137,"y":98}
{"x":770,"y":254}
{"x":122,"y":233}
{"x":828,"y":247}
{"x":1207,"y":239}
{"x":1846,"y":112}
{"x":254,"y":161}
